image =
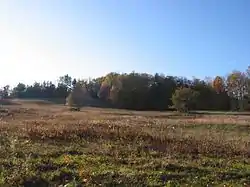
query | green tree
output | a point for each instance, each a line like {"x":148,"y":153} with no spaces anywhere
{"x":6,"y":91}
{"x":161,"y":88}
{"x":65,"y":81}
{"x":130,"y":91}
{"x":184,"y":98}
{"x":18,"y":91}
{"x":77,"y":96}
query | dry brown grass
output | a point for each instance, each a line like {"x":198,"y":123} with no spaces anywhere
{"x":111,"y":132}
{"x":159,"y":131}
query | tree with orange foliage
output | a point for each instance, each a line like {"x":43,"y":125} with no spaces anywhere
{"x":218,"y":84}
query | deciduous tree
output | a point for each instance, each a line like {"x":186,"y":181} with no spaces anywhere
{"x":237,"y":87}
{"x":218,"y":84}
{"x":77,"y":96}
{"x":184,"y":98}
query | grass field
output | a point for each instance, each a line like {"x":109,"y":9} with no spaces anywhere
{"x":47,"y":145}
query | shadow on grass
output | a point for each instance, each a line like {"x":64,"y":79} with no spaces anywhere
{"x":189,"y":169}
{"x":227,"y":176}
{"x":8,"y":102}
{"x":35,"y":182}
{"x":157,"y":115}
{"x":220,"y":113}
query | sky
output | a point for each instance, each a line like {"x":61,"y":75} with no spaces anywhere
{"x":44,"y":39}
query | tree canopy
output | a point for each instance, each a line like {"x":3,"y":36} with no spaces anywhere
{"x":142,"y":91}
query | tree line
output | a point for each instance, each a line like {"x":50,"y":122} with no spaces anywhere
{"x":142,"y":91}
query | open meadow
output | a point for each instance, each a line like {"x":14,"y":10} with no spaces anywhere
{"x":43,"y":144}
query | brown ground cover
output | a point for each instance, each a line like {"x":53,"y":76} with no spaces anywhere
{"x":43,"y":144}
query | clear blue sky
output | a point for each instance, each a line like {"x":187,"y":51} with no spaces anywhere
{"x":43,"y":39}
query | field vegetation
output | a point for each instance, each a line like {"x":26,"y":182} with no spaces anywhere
{"x":43,"y":144}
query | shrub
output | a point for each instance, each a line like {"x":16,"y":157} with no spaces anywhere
{"x":76,"y":97}
{"x":184,"y":99}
